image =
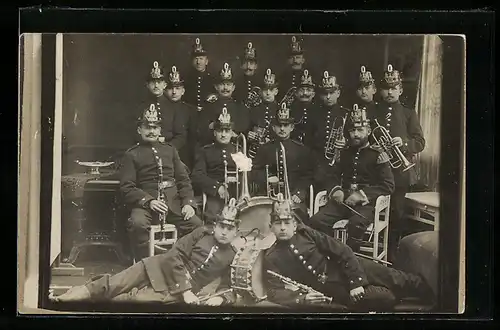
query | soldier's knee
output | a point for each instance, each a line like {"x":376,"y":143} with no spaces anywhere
{"x":140,"y":219}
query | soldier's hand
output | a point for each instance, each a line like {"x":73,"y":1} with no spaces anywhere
{"x":296,"y":199}
{"x":189,"y":297}
{"x":315,"y":298}
{"x":357,"y":293}
{"x":187,"y":211}
{"x":340,"y":144}
{"x":214,"y":301}
{"x":354,"y":199}
{"x":158,"y":206}
{"x":337,"y":196}
{"x":223,"y":193}
{"x":397,"y":141}
{"x":252,"y":135}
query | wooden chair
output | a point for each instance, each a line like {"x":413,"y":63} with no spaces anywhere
{"x":377,"y":231}
{"x":161,"y":240}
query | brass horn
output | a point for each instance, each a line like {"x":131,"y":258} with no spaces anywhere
{"x":289,"y":97}
{"x":396,"y":157}
{"x":337,"y":133}
{"x":277,"y":184}
{"x":234,"y":177}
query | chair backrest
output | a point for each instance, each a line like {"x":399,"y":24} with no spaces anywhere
{"x":382,"y":207}
{"x":320,"y":200}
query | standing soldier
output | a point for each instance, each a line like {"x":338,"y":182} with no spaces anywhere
{"x":262,"y":115}
{"x":303,"y":107}
{"x":298,"y":159}
{"x":327,"y":124}
{"x":172,"y":131}
{"x":361,"y":175}
{"x":224,"y":85}
{"x":154,"y":182}
{"x":366,"y":91}
{"x":185,"y":117}
{"x":404,"y":127}
{"x":248,"y":79}
{"x":211,"y":163}
{"x":292,"y":74}
{"x":199,"y":82}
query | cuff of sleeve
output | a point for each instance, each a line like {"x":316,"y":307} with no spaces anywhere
{"x":334,"y":189}
{"x":180,"y":287}
{"x":190,"y":201}
{"x":301,"y":298}
{"x":356,"y":282}
{"x":365,"y":200}
{"x":145,"y":200}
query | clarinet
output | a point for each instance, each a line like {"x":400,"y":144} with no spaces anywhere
{"x":302,"y":287}
{"x":161,"y":195}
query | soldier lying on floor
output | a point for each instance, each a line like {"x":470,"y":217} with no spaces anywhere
{"x":305,"y":266}
{"x":178,"y":275}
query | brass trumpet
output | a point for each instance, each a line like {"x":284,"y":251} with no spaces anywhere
{"x":289,"y":97}
{"x":254,"y":98}
{"x":396,"y":157}
{"x":234,"y":177}
{"x":331,"y":152}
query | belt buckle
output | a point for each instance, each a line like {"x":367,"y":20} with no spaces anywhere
{"x":166,"y":184}
{"x":322,"y":278}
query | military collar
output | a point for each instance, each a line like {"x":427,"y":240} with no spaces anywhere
{"x":223,"y":146}
{"x":360,"y":148}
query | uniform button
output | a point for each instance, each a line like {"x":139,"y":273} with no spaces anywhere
{"x":309,"y":267}
{"x":177,"y":285}
{"x":295,"y":251}
{"x":304,"y":262}
{"x":301,"y":258}
{"x":292,"y":246}
{"x":202,"y":266}
{"x":314,"y":271}
{"x":360,"y":278}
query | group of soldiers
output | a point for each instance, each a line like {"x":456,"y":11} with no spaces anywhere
{"x":187,"y":134}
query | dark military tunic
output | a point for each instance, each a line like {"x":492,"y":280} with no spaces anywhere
{"x":371,"y":110}
{"x":365,"y":170}
{"x":302,"y":112}
{"x":238,"y":112}
{"x":208,"y":171}
{"x":198,"y":86}
{"x":330,"y":267}
{"x":261,"y":115}
{"x":194,"y":261}
{"x":322,"y":122}
{"x":139,"y":176}
{"x":298,"y":160}
{"x":244,"y":84}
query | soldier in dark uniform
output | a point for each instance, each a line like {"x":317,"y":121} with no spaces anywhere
{"x":172,"y":130}
{"x":176,"y":276}
{"x":406,"y":132}
{"x":262,"y":115}
{"x":292,"y":75}
{"x":298,"y":160}
{"x":149,"y":169}
{"x":199,"y":82}
{"x":249,"y":78}
{"x":366,"y":91}
{"x":210,"y":167}
{"x":303,"y":107}
{"x":360,"y":176}
{"x":185,"y":117}
{"x":329,"y":115}
{"x":225,"y":88}
{"x":328,"y":266}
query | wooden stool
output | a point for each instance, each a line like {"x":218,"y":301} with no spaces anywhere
{"x":161,"y":239}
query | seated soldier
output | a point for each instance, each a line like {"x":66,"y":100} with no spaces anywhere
{"x":211,"y":163}
{"x":323,"y":267}
{"x":299,"y":166}
{"x":361,"y":175}
{"x":150,"y":170}
{"x":178,"y":275}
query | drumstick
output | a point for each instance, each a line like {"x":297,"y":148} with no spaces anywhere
{"x":354,"y":211}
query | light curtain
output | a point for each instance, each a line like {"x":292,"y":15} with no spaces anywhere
{"x":29,"y":172}
{"x":428,"y":106}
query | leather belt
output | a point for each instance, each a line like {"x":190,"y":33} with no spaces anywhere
{"x":167,"y":184}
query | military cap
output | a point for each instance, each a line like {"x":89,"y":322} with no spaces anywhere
{"x":225,"y":74}
{"x":283,"y":116}
{"x":282,"y":209}
{"x":174,"y":78}
{"x":198,"y":49}
{"x":150,"y":116}
{"x":365,"y":78}
{"x":269,"y":80}
{"x":223,"y":122}
{"x":295,"y":48}
{"x":229,"y":214}
{"x":328,"y":83}
{"x":156,"y":72}
{"x":392,"y":78}
{"x":249,"y":53}
{"x":306,"y":80}
{"x":357,"y":118}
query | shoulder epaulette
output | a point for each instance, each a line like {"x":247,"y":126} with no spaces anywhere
{"x":132,"y":147}
{"x":208,"y":145}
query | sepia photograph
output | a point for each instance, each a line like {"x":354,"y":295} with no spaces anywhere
{"x":239,"y":170}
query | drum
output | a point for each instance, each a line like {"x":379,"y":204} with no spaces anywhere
{"x":255,"y":214}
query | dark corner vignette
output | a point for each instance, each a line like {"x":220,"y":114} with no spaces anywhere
{"x":46,"y":175}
